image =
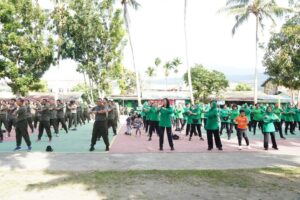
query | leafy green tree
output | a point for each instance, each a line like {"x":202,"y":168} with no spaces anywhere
{"x":135,"y":5}
{"x":206,"y":82}
{"x":243,"y":87}
{"x":150,"y":72}
{"x":26,"y":51}
{"x":95,"y":39}
{"x":261,"y":10}
{"x":282,"y":58}
{"x":127,"y":83}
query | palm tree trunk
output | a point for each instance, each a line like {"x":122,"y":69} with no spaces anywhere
{"x":256,"y":63}
{"x":85,"y":84}
{"x":186,"y":54}
{"x":138,"y":89}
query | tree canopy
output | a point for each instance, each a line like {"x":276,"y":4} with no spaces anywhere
{"x":282,"y":58}
{"x":26,"y":50}
{"x":243,"y":87}
{"x":206,"y":82}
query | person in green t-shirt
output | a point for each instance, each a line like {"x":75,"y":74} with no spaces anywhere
{"x":212,"y":127}
{"x":195,"y":113}
{"x":165,"y":123}
{"x":178,"y":113}
{"x":258,"y":114}
{"x":188,"y":119}
{"x":234,"y":114}
{"x":225,"y":119}
{"x":146,"y":110}
{"x":154,"y":120}
{"x":278,"y":126}
{"x":289,"y":119}
{"x":268,"y":128}
{"x":297,"y":110}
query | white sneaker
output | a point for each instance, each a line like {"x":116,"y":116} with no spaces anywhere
{"x":249,"y":147}
{"x":240,"y":147}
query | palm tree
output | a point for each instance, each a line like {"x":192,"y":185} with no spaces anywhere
{"x":260,"y":9}
{"x":186,"y":54}
{"x":171,"y":66}
{"x":135,"y":5}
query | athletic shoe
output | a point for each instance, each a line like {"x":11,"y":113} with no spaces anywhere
{"x":92,"y":149}
{"x":107,"y":149}
{"x":201,"y":139}
{"x":209,"y":149}
{"x":220,"y":149}
{"x":29,"y":148}
{"x":240,"y":148}
{"x":248,"y":147}
{"x":266,"y":149}
{"x":276,"y":148}
{"x":190,"y":139}
{"x":149,"y":139}
{"x":172,"y":149}
{"x":161,"y":149}
{"x":283,"y":138}
{"x":17,"y":149}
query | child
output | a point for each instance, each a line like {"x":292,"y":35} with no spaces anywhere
{"x":128,"y":125}
{"x":242,"y":125}
{"x":138,"y":124}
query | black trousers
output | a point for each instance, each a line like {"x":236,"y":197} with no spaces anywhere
{"x":205,"y":121}
{"x":188,"y":129}
{"x":288,"y":125}
{"x":63,"y":123}
{"x":79,"y":119}
{"x":35,"y":121}
{"x":216,"y":135}
{"x":278,"y":127}
{"x":231,"y":128}
{"x":241,"y":133}
{"x":21,"y":131}
{"x":147,"y":126}
{"x":196,"y":128}
{"x":225,"y":125}
{"x":100,"y":129}
{"x":10,"y":124}
{"x":53,"y":122}
{"x":162,"y":135}
{"x":183,"y":124}
{"x":44,"y":125}
{"x":86,"y":116}
{"x":260,"y":125}
{"x":29,"y":121}
{"x":73,"y":120}
{"x":154,"y":127}
{"x":3,"y":121}
{"x":112,"y":124}
{"x":179,"y":123}
{"x":266,"y":140}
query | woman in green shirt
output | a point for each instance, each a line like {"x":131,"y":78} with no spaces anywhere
{"x":165,"y":124}
{"x":234,"y":114}
{"x":269,"y":129}
{"x":154,"y":120}
{"x":225,"y":119}
{"x":195,"y":113}
{"x":289,"y":119}
{"x":257,"y":117}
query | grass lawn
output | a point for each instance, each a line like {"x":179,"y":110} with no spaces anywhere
{"x":268,"y":183}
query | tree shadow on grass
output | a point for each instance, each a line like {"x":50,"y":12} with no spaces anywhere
{"x":153,"y":184}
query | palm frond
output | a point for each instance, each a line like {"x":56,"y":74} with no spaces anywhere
{"x":240,"y":19}
{"x":234,"y":2}
{"x":157,"y":61}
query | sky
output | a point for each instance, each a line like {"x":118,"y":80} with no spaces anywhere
{"x":157,"y":29}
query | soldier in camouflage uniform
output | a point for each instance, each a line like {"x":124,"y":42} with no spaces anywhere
{"x":3,"y":118}
{"x":60,"y":115}
{"x":44,"y":120}
{"x":29,"y":115}
{"x":11,"y":117}
{"x":21,"y":125}
{"x":53,"y":117}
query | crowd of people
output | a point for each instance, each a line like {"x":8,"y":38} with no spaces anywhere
{"x":269,"y":118}
{"x":24,"y":115}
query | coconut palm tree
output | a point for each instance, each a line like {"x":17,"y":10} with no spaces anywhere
{"x":261,"y":10}
{"x":135,"y":5}
{"x":186,"y":54}
{"x":171,"y":66}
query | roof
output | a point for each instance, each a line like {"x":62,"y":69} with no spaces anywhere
{"x":157,"y":94}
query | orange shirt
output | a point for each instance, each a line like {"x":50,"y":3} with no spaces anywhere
{"x":242,"y":122}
